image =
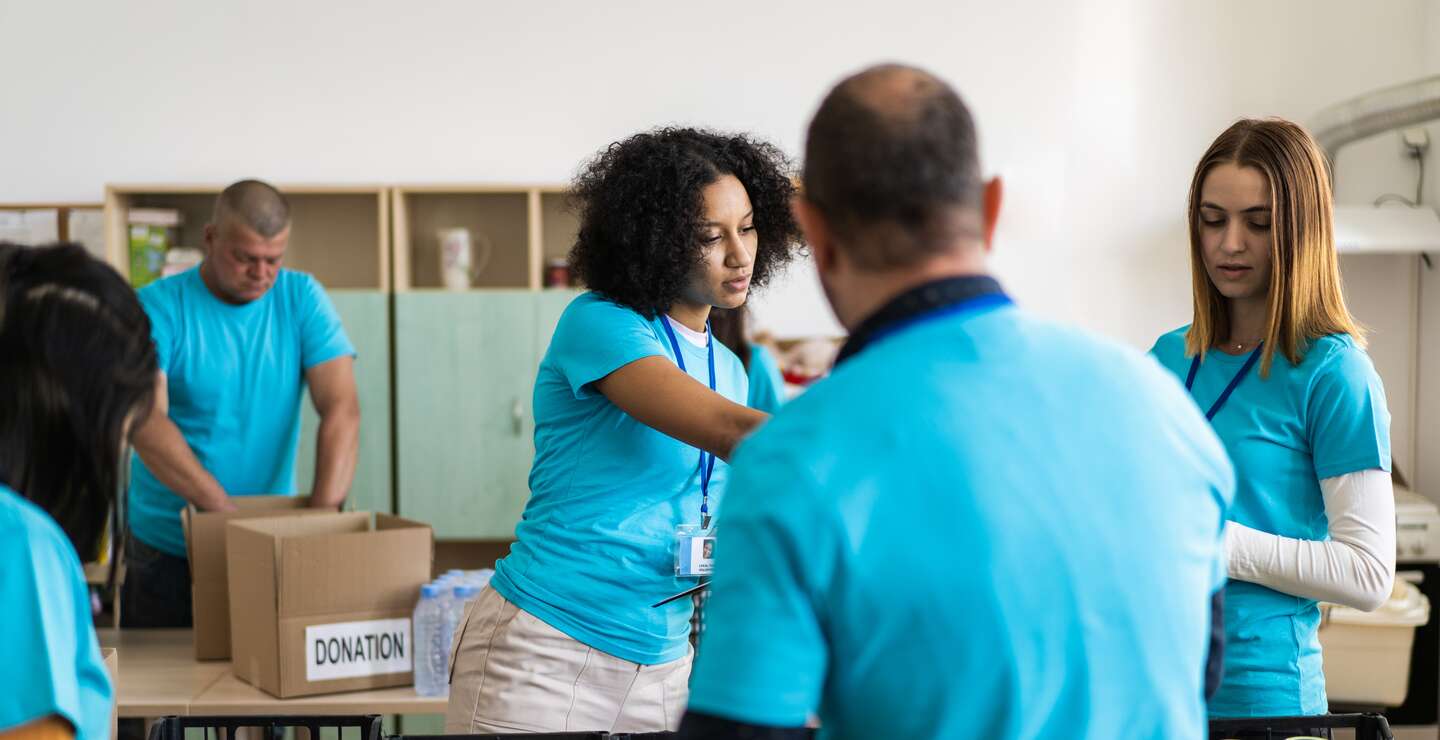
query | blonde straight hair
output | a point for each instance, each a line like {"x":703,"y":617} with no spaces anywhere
{"x":1305,"y":301}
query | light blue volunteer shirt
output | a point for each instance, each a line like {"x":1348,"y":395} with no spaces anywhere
{"x":52,"y":662}
{"x":767,"y":386}
{"x":236,"y":376}
{"x":595,"y":547}
{"x":982,"y":525}
{"x":1319,"y":419}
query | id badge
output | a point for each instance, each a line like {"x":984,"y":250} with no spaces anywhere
{"x":694,"y":551}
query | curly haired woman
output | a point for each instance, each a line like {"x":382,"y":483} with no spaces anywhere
{"x":634,"y":403}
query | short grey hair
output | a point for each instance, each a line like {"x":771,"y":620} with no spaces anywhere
{"x":255,"y":204}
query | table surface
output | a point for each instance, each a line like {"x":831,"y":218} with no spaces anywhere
{"x":158,"y":675}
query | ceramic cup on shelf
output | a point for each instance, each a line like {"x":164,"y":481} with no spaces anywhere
{"x":460,"y":261}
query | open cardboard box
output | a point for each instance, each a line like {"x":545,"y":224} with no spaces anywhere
{"x":209,"y":582}
{"x":111,"y":660}
{"x":320,"y":604}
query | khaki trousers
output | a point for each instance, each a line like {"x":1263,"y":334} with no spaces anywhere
{"x":511,"y":672}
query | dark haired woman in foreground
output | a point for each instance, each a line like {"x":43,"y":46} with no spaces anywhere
{"x":636,"y":410}
{"x":76,"y":367}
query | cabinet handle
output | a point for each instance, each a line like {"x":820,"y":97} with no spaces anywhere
{"x":517,"y":416}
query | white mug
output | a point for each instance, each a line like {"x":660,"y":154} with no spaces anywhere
{"x":456,"y":258}
{"x":462,"y":256}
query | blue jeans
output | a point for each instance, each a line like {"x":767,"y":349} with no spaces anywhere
{"x":156,"y":592}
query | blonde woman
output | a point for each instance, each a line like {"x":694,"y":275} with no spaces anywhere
{"x":1278,"y":365}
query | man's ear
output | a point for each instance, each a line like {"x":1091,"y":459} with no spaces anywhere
{"x":992,"y":198}
{"x":818,"y":236}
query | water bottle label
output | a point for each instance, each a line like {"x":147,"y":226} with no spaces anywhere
{"x":349,"y":649}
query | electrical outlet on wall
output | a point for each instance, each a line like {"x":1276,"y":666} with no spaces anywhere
{"x":1416,"y":140}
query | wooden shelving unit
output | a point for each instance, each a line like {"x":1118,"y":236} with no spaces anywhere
{"x":557,"y":225}
{"x":446,"y":377}
{"x":63,"y":212}
{"x":522,"y":226}
{"x":465,"y":360}
{"x":340,"y":233}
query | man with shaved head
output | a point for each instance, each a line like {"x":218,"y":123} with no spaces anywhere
{"x":238,"y":338}
{"x":981,"y":524}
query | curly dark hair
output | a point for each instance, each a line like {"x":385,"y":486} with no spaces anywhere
{"x":640,"y":206}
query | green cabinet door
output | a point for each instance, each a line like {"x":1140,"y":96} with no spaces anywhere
{"x":366,"y":315}
{"x":549,"y":304}
{"x":465,"y":369}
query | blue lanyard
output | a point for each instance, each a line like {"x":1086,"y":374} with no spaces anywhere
{"x":707,"y":460}
{"x":1244,"y":370}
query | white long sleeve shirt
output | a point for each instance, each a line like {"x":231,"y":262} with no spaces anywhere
{"x":1355,"y":567}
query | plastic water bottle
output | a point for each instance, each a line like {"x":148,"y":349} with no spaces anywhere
{"x":446,"y":591}
{"x":464,"y":594}
{"x":447,"y":596}
{"x":432,"y":652}
{"x":454,"y":577}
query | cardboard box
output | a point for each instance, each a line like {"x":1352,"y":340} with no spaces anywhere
{"x":112,"y":667}
{"x":320,"y":604}
{"x":209,"y":583}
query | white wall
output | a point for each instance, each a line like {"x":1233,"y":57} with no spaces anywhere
{"x":1093,"y":111}
{"x":1394,"y":295}
{"x":1427,"y":422}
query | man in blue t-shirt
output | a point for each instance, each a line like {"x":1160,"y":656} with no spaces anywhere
{"x":238,"y":339}
{"x":982,"y":524}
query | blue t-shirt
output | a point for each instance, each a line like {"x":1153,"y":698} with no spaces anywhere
{"x":236,"y":375}
{"x":52,"y":659}
{"x":595,"y":547}
{"x":1319,"y":419}
{"x":982,"y":524}
{"x":767,"y":386}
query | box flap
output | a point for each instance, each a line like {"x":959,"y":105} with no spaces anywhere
{"x":251,"y":554}
{"x":279,"y":501}
{"x":209,"y":582}
{"x":390,"y":521}
{"x":205,"y":530}
{"x":185,"y":515}
{"x":112,"y":666}
{"x":359,"y":571}
{"x":283,"y":527}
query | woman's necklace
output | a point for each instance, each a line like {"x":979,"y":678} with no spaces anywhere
{"x":1240,"y":346}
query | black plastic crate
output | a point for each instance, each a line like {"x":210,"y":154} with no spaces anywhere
{"x":558,"y":736}
{"x":596,"y":735}
{"x":362,"y":727}
{"x":1366,"y":726}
